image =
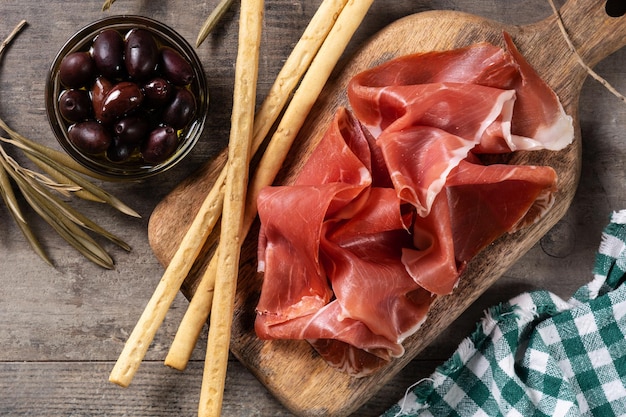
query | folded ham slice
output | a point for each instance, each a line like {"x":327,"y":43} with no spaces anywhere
{"x":537,"y":120}
{"x":395,"y":200}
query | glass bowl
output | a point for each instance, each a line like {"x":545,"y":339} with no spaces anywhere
{"x":132,"y":167}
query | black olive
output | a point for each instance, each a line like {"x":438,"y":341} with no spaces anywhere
{"x":99,"y":91}
{"x":108,"y":54}
{"x":142,"y":54}
{"x":176,"y":68}
{"x":132,"y":130}
{"x":90,"y":137}
{"x":77,"y":70}
{"x":119,"y":151}
{"x":160,"y":145}
{"x":157,"y":92}
{"x":123,"y":98}
{"x":181,"y":110}
{"x":75,"y":105}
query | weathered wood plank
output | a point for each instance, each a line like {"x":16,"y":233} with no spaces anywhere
{"x":61,"y":329}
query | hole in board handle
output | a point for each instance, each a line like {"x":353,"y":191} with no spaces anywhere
{"x":615,"y":8}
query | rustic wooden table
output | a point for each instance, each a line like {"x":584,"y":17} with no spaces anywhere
{"x":62,"y":327}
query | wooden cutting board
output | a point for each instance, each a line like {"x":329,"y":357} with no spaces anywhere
{"x":291,"y":370}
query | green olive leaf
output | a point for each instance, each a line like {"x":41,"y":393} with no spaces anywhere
{"x":62,"y":176}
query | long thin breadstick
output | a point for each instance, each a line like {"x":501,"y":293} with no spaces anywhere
{"x":239,"y":151}
{"x":154,"y":313}
{"x":295,"y":66}
{"x":287,"y":80}
{"x":194,"y":319}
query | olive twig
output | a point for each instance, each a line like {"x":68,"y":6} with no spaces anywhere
{"x":6,"y":191}
{"x":212,"y":20}
{"x":62,"y":188}
{"x":12,"y":35}
{"x":107,"y":4}
{"x":37,"y":190}
{"x":72,"y":177}
{"x":43,"y":193}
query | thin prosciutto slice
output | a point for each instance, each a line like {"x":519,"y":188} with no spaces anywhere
{"x":426,"y":131}
{"x":487,"y":201}
{"x":538,"y":120}
{"x":362,"y":257}
{"x":353,"y":253}
{"x":321,"y":190}
{"x":396,"y":199}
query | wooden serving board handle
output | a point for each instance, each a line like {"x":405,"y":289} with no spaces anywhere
{"x":290,"y":369}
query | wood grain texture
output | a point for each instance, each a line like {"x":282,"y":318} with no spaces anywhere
{"x":62,"y":328}
{"x":291,"y":370}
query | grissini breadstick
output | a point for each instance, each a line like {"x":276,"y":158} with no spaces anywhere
{"x":154,"y":313}
{"x":295,"y":66}
{"x":194,"y":319}
{"x":287,"y":80}
{"x":228,"y":253}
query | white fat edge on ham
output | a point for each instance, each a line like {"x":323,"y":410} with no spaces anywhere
{"x":375,"y":128}
{"x":261,"y":245}
{"x":501,"y":112}
{"x":409,"y":332}
{"x":392,"y":348}
{"x":553,"y":137}
{"x":455,"y":156}
{"x":307,"y":303}
{"x":557,"y":130}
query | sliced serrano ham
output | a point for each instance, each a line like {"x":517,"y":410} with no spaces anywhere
{"x":487,"y":201}
{"x":396,"y":200}
{"x":301,"y":287}
{"x":537,"y":121}
{"x":362,"y":258}
{"x":481,"y":65}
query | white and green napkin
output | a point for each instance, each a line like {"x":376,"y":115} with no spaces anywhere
{"x":539,"y":355}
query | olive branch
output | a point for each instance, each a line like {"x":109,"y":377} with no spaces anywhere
{"x":45,"y":192}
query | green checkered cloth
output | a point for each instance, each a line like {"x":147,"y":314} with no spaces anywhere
{"x":539,"y":355}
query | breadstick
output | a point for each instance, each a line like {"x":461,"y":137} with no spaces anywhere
{"x":228,"y":253}
{"x":295,"y":66}
{"x":288,"y":78}
{"x":154,"y":313}
{"x":194,"y":319}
